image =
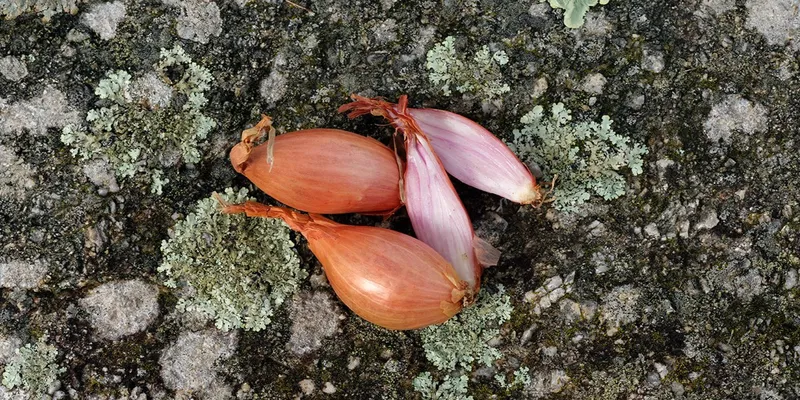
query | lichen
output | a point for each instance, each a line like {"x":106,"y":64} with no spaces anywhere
{"x":134,"y":133}
{"x":521,"y":378}
{"x":451,"y":388}
{"x":10,"y":9}
{"x":586,"y":157}
{"x":463,"y":339}
{"x":454,"y":346}
{"x":237,"y":269}
{"x":574,"y":10}
{"x":33,"y":368}
{"x":480,"y":75}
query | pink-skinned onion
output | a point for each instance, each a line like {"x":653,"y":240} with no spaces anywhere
{"x":434,"y":208}
{"x":438,"y":216}
{"x":468,"y":151}
{"x":325,"y":171}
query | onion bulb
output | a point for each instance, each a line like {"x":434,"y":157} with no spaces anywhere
{"x":326,"y":171}
{"x":434,"y":208}
{"x":387,"y":278}
{"x":468,"y":151}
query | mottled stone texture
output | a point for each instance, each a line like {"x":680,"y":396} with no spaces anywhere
{"x":119,"y":309}
{"x":187,"y":365}
{"x":684,"y":287}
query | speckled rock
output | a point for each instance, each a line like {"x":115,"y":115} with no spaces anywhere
{"x":315,"y":317}
{"x":119,"y":309}
{"x":104,"y":18}
{"x":17,"y":274}
{"x":49,"y":110}
{"x":735,"y":114}
{"x":684,"y":287}
{"x":12,"y":68}
{"x":188,"y":365}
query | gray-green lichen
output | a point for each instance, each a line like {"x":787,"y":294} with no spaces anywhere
{"x":575,"y":10}
{"x":586,"y":157}
{"x":147,"y":124}
{"x":454,"y":346}
{"x":236,"y":269}
{"x":33,"y":368}
{"x":480,"y":75}
{"x":464,"y":339}
{"x":451,"y":388}
{"x":521,"y":378}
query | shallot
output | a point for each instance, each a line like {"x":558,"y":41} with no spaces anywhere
{"x":326,"y":171}
{"x":468,"y":151}
{"x":387,"y":278}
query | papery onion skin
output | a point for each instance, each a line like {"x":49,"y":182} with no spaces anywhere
{"x":468,"y":151}
{"x":324,"y":171}
{"x":436,"y":212}
{"x":387,"y":278}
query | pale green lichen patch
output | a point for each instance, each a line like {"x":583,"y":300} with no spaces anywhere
{"x":575,"y":10}
{"x":464,"y":339}
{"x":237,"y":270}
{"x":479,"y":74}
{"x":454,"y":346}
{"x":33,"y":368}
{"x":451,"y":388}
{"x":134,"y":132}
{"x":585,"y":156}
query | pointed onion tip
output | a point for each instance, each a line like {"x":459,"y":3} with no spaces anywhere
{"x":239,"y":155}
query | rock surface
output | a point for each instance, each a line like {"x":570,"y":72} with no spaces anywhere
{"x":118,"y":309}
{"x":188,"y":365}
{"x":684,"y":287}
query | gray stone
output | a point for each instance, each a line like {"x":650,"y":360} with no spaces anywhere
{"x":104,"y":18}
{"x":8,"y":347}
{"x":199,"y":19}
{"x":386,"y":31}
{"x":99,"y":173}
{"x":119,"y":309}
{"x":749,"y":286}
{"x":16,"y":176}
{"x":619,"y":307}
{"x":539,"y":88}
{"x":17,"y":274}
{"x":777,"y":20}
{"x":49,"y":110}
{"x":188,"y":364}
{"x":791,"y":279}
{"x":307,"y":387}
{"x":273,"y":87}
{"x":13,"y":69}
{"x":719,"y":7}
{"x":709,"y":221}
{"x":329,"y":388}
{"x":652,"y":230}
{"x":652,"y":61}
{"x":152,"y":90}
{"x":735,"y":114}
{"x":315,"y":317}
{"x":593,"y":83}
